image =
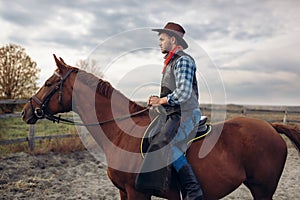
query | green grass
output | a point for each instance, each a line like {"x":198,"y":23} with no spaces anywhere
{"x":13,"y":128}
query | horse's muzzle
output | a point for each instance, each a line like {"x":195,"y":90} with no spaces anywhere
{"x":28,"y":117}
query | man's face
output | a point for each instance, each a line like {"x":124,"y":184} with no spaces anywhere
{"x":166,"y":43}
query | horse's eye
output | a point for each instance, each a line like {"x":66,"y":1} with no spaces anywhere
{"x":47,"y":84}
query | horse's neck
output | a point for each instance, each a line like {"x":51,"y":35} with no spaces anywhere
{"x":94,"y":107}
{"x":99,"y":101}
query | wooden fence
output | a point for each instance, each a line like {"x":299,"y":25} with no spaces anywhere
{"x":206,"y":108}
{"x":250,"y":110}
{"x":31,"y":137}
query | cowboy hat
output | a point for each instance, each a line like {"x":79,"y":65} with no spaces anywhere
{"x":175,"y":30}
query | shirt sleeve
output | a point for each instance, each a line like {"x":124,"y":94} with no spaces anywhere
{"x":184,"y":70}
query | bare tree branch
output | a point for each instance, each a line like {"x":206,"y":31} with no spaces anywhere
{"x":18,"y":73}
{"x":90,"y":66}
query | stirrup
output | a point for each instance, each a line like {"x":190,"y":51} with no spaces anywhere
{"x":203,"y":120}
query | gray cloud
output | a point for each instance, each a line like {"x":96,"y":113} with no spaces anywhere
{"x":250,"y":38}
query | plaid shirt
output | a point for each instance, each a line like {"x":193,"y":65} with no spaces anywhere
{"x":184,"y":70}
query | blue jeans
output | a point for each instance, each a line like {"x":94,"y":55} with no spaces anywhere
{"x":186,"y":130}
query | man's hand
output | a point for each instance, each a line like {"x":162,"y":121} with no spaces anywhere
{"x":156,"y":101}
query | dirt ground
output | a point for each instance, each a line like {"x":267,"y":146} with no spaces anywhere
{"x":79,"y":176}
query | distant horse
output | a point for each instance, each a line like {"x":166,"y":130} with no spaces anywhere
{"x":248,"y":151}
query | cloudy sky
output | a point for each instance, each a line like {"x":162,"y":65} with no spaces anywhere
{"x":247,"y":51}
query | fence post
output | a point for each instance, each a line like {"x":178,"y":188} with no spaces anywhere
{"x":285,"y":117}
{"x":31,"y":137}
{"x":244,"y":111}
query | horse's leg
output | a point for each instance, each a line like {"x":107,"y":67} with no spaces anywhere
{"x":123,"y":195}
{"x":133,"y":194}
{"x":263,"y":184}
{"x":263,"y":177}
{"x":259,"y":192}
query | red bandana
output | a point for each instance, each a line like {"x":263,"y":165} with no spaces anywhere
{"x":169,"y":56}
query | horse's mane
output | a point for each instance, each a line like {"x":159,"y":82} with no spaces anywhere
{"x":102,"y":87}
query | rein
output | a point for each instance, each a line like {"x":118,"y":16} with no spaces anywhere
{"x":58,"y":119}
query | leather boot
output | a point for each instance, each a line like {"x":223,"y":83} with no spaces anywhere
{"x":190,"y":184}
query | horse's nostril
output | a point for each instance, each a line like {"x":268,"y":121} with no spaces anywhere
{"x":23,"y":113}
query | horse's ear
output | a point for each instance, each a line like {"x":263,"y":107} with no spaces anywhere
{"x":62,"y":60}
{"x":60,"y":64}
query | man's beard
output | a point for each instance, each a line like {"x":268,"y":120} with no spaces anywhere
{"x":164,"y":51}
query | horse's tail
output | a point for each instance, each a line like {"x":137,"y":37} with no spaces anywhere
{"x":292,"y":132}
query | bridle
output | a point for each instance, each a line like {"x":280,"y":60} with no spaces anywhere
{"x":41,"y":111}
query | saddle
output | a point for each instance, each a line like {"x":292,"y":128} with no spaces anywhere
{"x":203,"y":129}
{"x":165,"y":178}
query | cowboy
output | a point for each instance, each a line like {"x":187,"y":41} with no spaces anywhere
{"x":179,"y":97}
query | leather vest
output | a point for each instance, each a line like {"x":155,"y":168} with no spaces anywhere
{"x":168,"y":85}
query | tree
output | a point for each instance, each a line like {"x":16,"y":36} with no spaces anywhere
{"x":90,"y":66}
{"x":18,"y":73}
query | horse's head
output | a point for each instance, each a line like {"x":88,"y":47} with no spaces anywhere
{"x":55,"y":96}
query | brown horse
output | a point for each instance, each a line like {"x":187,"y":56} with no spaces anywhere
{"x":248,"y":151}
